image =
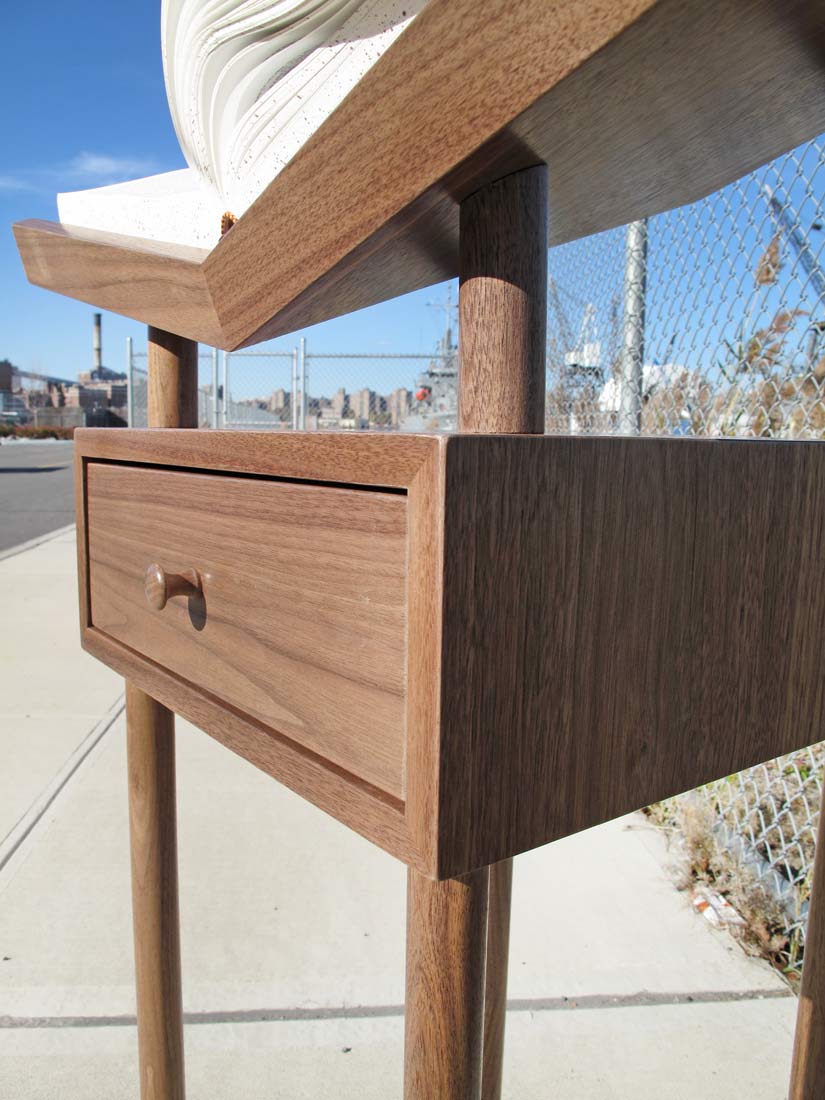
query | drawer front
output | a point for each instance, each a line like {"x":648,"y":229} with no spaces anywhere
{"x":302,"y":623}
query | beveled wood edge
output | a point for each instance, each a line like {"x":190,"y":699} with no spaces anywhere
{"x":160,"y":284}
{"x":168,"y":250}
{"x":381,"y":225}
{"x":82,"y":543}
{"x":425,"y":560}
{"x":410,"y":462}
{"x":392,"y":460}
{"x":449,"y":862}
{"x":372,"y":813}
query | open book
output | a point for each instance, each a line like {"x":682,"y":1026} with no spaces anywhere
{"x":248,"y":82}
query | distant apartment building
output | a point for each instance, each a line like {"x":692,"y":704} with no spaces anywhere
{"x":361,"y":404}
{"x":398,"y":405}
{"x":280,"y":401}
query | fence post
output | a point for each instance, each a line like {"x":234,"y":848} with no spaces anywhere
{"x":130,"y":384}
{"x":631,"y":379}
{"x":213,"y":419}
{"x":303,"y":372}
{"x":294,"y":402}
{"x":225,"y":403}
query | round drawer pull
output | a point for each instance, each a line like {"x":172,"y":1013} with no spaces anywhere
{"x":161,"y":586}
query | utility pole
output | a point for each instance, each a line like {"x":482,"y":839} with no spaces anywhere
{"x":633,"y":330}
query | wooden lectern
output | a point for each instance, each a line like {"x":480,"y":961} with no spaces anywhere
{"x":511,"y":672}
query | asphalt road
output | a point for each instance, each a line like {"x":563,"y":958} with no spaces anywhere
{"x":35,"y":490}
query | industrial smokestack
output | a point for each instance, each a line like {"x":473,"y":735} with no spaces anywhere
{"x":97,"y":344}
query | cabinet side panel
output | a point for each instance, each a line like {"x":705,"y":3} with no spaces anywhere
{"x":624,"y":619}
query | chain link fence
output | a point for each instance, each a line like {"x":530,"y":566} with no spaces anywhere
{"x":704,"y":321}
{"x":707,"y":321}
{"x":352,"y":390}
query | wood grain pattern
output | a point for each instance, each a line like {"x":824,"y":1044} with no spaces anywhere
{"x":160,"y":284}
{"x":172,"y":398}
{"x":150,"y":740}
{"x":302,"y":619}
{"x":361,"y":807}
{"x":444,"y":1017}
{"x":665,"y":90}
{"x":503,"y":305}
{"x":593,"y":624}
{"x":495,"y":981}
{"x":159,"y":586}
{"x":502,"y":321}
{"x":808,"y":1066}
{"x":662,"y":627}
{"x":351,"y":458}
{"x":412,"y":463}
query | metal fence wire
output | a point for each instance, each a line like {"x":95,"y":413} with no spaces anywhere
{"x":708,"y":321}
{"x":704,"y":321}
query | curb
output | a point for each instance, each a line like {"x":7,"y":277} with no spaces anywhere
{"x":13,"y":839}
{"x":36,"y":541}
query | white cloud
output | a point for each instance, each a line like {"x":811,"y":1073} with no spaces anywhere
{"x":99,"y":168}
{"x":15,"y":183}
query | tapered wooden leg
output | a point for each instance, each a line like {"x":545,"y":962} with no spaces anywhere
{"x":172,"y":403}
{"x":153,"y":831}
{"x":446,"y":948}
{"x":502,"y":317}
{"x":495,"y":996}
{"x":808,"y":1068}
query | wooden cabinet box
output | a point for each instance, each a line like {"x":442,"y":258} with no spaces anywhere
{"x":464,"y":646}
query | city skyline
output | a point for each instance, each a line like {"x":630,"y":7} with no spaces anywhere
{"x":116,"y":126}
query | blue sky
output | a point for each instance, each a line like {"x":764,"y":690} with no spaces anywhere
{"x":85,"y":105}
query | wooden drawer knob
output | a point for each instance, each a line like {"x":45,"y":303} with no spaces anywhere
{"x":161,"y":586}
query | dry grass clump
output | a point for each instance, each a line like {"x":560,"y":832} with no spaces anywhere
{"x":703,"y":861}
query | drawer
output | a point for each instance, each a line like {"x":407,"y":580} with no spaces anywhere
{"x":302,"y":621}
{"x":466,"y":646}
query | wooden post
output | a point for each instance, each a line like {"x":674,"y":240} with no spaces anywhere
{"x":451,"y":970}
{"x":503,"y":334}
{"x":495,"y":984}
{"x":808,"y":1067}
{"x":173,"y":380}
{"x":173,"y":403}
{"x":446,"y":942}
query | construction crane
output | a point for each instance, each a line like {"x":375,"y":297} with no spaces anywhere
{"x":580,"y":356}
{"x":787,"y":222}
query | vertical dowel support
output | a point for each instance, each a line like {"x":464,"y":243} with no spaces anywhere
{"x":503,"y":305}
{"x":808,"y":1067}
{"x":172,"y":403}
{"x":495,"y":983}
{"x":173,"y":381}
{"x":152,"y":824}
{"x":444,"y":1020}
{"x":503,"y":337}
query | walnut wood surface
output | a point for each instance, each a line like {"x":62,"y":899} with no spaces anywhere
{"x":150,"y":740}
{"x":503,"y":305}
{"x":808,"y":1067}
{"x":159,"y":586}
{"x":636,"y":105}
{"x":150,"y":736}
{"x":444,"y":1016}
{"x":363,"y":808}
{"x":495,"y":978}
{"x":624,"y":619}
{"x":163,"y":285}
{"x":381,"y":459}
{"x":301,"y":623}
{"x":593,"y":624}
{"x":172,"y":399}
{"x":502,"y":321}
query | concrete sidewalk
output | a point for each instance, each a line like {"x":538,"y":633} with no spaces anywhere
{"x":293,"y":928}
